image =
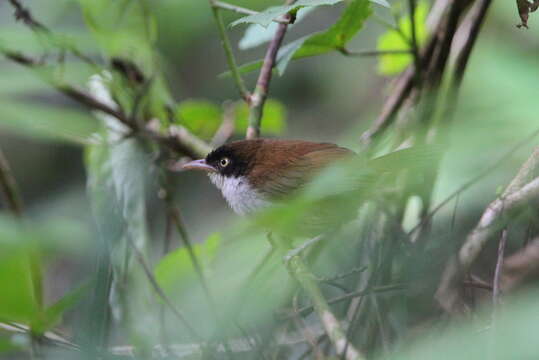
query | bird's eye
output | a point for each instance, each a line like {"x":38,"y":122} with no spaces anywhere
{"x":224,"y":162}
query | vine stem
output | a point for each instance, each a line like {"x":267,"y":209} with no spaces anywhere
{"x":225,"y":41}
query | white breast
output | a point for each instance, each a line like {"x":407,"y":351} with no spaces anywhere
{"x":239,"y":194}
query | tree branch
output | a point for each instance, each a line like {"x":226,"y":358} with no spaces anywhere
{"x":514,"y":197}
{"x":259,"y":95}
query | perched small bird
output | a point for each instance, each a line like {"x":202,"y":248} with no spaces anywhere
{"x":253,"y":174}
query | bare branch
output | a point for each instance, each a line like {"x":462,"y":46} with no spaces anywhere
{"x":258,"y":97}
{"x":520,"y":265}
{"x":496,"y":291}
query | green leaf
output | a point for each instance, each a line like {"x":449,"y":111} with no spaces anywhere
{"x":201,"y":117}
{"x":391,"y":64}
{"x":512,"y":336}
{"x":19,"y":301}
{"x":53,"y":314}
{"x":6,"y":345}
{"x":176,"y":267}
{"x":333,"y":39}
{"x":265,"y":17}
{"x":123,"y":28}
{"x":46,"y":121}
{"x":273,"y":118}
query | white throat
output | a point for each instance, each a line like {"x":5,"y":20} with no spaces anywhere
{"x":239,"y":194}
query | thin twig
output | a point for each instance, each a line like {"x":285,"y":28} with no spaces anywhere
{"x":307,"y":333}
{"x":505,"y":157}
{"x":153,"y":281}
{"x":22,"y":13}
{"x":414,"y":42}
{"x":499,"y":269}
{"x":228,"y":52}
{"x":473,"y":22}
{"x":378,"y":289}
{"x":9,"y":187}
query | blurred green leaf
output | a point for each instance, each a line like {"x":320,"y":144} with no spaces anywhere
{"x":176,"y":268}
{"x":264,"y":18}
{"x":53,"y":314}
{"x":6,"y":345}
{"x":202,"y":117}
{"x":45,"y":121}
{"x":123,"y":28}
{"x":391,"y":64}
{"x":511,"y":336}
{"x":273,"y":118}
{"x":19,"y":301}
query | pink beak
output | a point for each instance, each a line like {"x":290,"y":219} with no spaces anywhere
{"x":199,"y":165}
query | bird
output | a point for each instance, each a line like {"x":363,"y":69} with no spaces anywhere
{"x":253,"y":174}
{"x":258,"y":174}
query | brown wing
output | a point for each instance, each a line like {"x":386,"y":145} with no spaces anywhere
{"x":292,"y":164}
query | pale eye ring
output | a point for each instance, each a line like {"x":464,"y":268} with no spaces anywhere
{"x":224,"y":162}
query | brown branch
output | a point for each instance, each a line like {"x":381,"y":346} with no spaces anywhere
{"x":259,"y":95}
{"x":9,"y":187}
{"x":22,"y":13}
{"x":472,"y":25}
{"x":496,"y":291}
{"x":520,"y":265}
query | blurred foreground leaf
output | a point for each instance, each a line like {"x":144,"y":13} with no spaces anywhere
{"x":512,"y":336}
{"x":175,"y":269}
{"x":333,"y":39}
{"x":201,"y":117}
{"x":46,"y":122}
{"x":391,"y":64}
{"x":273,"y":119}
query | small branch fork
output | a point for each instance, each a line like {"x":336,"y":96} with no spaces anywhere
{"x":257,"y":98}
